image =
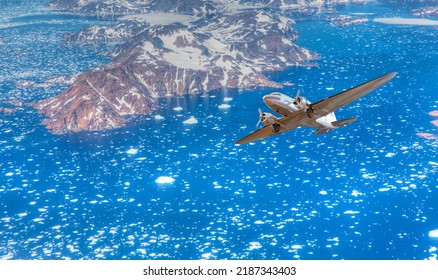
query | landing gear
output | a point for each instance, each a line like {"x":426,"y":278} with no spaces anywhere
{"x":311,"y":111}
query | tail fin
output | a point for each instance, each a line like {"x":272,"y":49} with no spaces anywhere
{"x":343,"y":122}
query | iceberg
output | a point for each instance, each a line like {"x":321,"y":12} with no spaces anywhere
{"x":433,"y":234}
{"x":191,"y":120}
{"x":224,"y":106}
{"x":132,"y":151}
{"x":406,"y":21}
{"x":164,"y":180}
{"x":351,"y":212}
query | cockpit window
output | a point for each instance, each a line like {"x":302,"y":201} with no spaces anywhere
{"x":276,"y":93}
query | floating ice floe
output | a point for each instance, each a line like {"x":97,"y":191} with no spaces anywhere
{"x":132,"y":151}
{"x":164,"y":180}
{"x":224,"y":106}
{"x":178,"y":109}
{"x":254,"y":245}
{"x":433,"y":234}
{"x":406,"y":21}
{"x":227,"y":99}
{"x":351,"y":212}
{"x":191,"y":120}
{"x":159,"y":117}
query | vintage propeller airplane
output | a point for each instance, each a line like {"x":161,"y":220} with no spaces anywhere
{"x":299,"y":111}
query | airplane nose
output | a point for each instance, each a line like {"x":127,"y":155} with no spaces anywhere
{"x":270,"y":99}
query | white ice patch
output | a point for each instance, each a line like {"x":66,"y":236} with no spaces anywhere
{"x":224,"y":106}
{"x":323,"y":192}
{"x":355,"y":193}
{"x":191,"y":120}
{"x":132,"y":151}
{"x":178,"y":109}
{"x":406,"y":21}
{"x":159,"y":117}
{"x":254,"y":245}
{"x":164,"y":180}
{"x":433,"y":233}
{"x":160,"y":18}
{"x":351,"y":212}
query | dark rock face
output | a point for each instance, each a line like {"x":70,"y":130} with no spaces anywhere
{"x":225,"y":49}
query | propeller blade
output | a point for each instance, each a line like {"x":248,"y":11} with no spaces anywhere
{"x":298,"y":94}
{"x":260,"y":117}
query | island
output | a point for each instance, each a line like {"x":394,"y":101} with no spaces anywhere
{"x":166,"y":48}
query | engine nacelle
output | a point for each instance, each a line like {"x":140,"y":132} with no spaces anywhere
{"x":301,"y":103}
{"x":267,"y":118}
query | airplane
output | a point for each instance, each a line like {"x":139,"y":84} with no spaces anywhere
{"x":299,"y":111}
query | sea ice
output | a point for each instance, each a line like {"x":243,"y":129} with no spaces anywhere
{"x":177,"y":109}
{"x":159,"y":117}
{"x":224,"y":106}
{"x":433,"y":233}
{"x":406,"y":21}
{"x":254,"y":245}
{"x":132,"y":151}
{"x":164,"y":180}
{"x":191,"y":120}
{"x":160,"y":18}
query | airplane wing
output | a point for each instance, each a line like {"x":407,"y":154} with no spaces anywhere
{"x":285,"y":124}
{"x":334,"y":102}
{"x":322,"y":107}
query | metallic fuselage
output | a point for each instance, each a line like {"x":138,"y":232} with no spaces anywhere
{"x":287,"y":106}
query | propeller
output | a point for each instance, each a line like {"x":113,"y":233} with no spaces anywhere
{"x":262,"y":117}
{"x":297,"y":98}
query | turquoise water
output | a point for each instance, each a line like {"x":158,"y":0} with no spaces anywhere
{"x":366,"y":191}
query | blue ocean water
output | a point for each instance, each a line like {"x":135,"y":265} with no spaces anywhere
{"x":366,"y":191}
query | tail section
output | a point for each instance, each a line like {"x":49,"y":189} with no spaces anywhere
{"x":322,"y":131}
{"x":335,"y":124}
{"x":343,"y":122}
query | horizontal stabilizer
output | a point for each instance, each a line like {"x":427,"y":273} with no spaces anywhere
{"x":343,"y":122}
{"x":321,"y":131}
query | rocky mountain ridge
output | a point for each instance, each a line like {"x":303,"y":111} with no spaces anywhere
{"x":213,"y":47}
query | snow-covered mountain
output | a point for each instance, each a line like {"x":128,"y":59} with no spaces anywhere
{"x":207,"y":47}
